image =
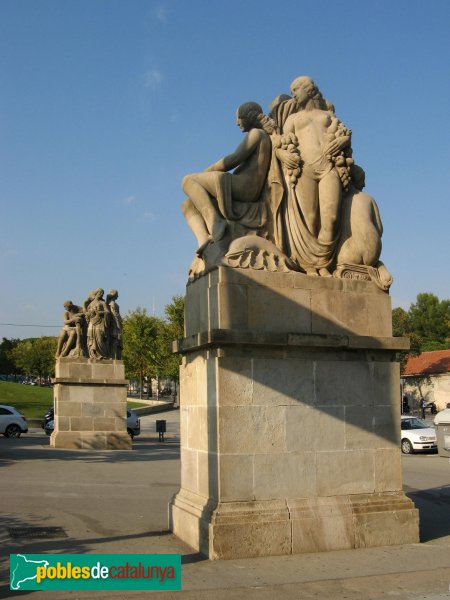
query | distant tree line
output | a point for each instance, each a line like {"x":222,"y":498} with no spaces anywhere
{"x":147,"y":340}
{"x":147,"y":349}
{"x":32,"y":357}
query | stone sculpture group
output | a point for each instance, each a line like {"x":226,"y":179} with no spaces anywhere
{"x":294,"y":201}
{"x":93,"y":330}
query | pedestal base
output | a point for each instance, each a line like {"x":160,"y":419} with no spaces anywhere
{"x":290,"y":417}
{"x":277,"y":527}
{"x":90,"y":405}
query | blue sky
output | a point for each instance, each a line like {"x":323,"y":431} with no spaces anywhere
{"x":106,"y":104}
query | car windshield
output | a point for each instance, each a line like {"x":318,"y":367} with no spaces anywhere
{"x":414,"y":424}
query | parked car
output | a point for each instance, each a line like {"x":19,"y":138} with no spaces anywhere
{"x":12,"y":422}
{"x":133,"y":423}
{"x":416,"y":435}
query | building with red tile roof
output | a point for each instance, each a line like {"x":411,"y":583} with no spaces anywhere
{"x":428,"y":363}
{"x":427,"y":377}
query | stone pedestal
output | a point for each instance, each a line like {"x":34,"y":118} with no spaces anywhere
{"x":90,"y":405}
{"x":290,"y":406}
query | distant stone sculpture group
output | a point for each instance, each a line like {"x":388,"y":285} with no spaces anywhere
{"x":93,"y":330}
{"x":294,"y":200}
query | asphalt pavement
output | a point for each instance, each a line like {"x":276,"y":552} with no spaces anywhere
{"x":116,"y":502}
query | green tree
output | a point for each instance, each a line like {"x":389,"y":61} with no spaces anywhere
{"x":401,"y":323}
{"x":430,"y":320}
{"x":7,"y":365}
{"x":35,"y":356}
{"x":141,"y":345}
{"x":174,"y":331}
{"x":401,"y":327}
{"x":175,"y":317}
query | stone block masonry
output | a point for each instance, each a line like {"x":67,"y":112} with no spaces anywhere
{"x":90,"y":405}
{"x":289,"y":400}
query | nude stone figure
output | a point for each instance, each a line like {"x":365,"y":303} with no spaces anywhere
{"x":316,"y":197}
{"x":217,"y":197}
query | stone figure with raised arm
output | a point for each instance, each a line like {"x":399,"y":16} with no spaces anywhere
{"x":218,"y":200}
{"x":315,"y":153}
{"x":115,"y":326}
{"x":72,"y":339}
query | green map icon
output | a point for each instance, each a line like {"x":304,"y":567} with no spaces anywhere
{"x":23,"y":569}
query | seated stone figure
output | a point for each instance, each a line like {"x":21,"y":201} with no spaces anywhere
{"x":223,"y":204}
{"x":72,"y":339}
{"x":361,"y":231}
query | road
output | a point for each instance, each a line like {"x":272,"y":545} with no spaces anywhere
{"x":116,"y":502}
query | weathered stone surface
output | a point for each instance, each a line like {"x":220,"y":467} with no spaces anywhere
{"x":232,"y":300}
{"x":189,"y":474}
{"x":236,"y":477}
{"x":274,"y":527}
{"x":285,"y":475}
{"x":289,"y":441}
{"x":312,"y":429}
{"x":93,"y":330}
{"x":90,"y":405}
{"x":357,"y":390}
{"x":321,"y":524}
{"x":252,"y":429}
{"x":283,"y":382}
{"x":262,"y":208}
{"x":388,"y":470}
{"x":345,"y":472}
{"x":235,"y":382}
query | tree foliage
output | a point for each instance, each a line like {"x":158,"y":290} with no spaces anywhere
{"x":147,"y":342}
{"x":430,"y":319}
{"x":174,"y":331}
{"x":35,"y":356}
{"x":175,"y":317}
{"x":141,"y":333}
{"x":7,"y":365}
{"x":426,"y":323}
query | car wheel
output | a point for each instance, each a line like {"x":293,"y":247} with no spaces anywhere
{"x":407,"y":447}
{"x":13,"y":431}
{"x":130,"y":433}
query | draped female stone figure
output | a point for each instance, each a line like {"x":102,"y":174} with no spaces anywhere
{"x":314,"y":150}
{"x":98,"y":318}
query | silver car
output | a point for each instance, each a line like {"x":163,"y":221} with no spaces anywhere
{"x":12,"y":422}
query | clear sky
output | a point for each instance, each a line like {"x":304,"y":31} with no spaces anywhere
{"x":106,"y":104}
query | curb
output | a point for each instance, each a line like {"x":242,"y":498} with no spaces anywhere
{"x":148,"y":410}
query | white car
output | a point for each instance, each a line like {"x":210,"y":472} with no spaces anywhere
{"x":133,"y":424}
{"x":416,"y":435}
{"x":12,"y":422}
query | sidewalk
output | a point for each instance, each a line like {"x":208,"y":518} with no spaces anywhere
{"x":116,"y":502}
